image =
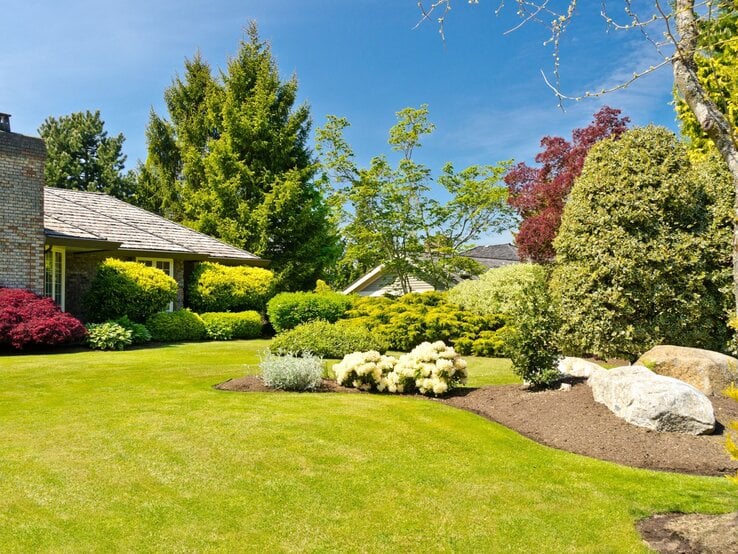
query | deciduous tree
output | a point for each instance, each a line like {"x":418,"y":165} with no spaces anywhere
{"x":674,"y":29}
{"x":538,"y":193}
{"x":389,"y":215}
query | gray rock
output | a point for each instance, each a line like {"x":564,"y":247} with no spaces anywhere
{"x":710,"y":372}
{"x":577,"y":367}
{"x":639,"y":396}
{"x":565,"y":387}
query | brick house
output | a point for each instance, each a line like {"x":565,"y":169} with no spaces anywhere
{"x":52,"y":240}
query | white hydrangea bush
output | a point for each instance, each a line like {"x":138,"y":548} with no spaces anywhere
{"x":364,"y":370}
{"x":430,"y":368}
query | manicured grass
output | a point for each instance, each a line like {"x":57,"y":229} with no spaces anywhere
{"x":135,"y":451}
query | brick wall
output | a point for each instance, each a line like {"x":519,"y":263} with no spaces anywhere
{"x":22,"y":162}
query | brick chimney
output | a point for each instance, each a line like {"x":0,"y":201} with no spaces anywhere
{"x":22,"y":161}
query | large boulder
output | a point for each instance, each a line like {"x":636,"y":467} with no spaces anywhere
{"x":710,"y":372}
{"x":639,"y":396}
{"x":578,"y":367}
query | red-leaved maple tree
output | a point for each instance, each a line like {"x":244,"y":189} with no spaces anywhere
{"x":538,"y":194}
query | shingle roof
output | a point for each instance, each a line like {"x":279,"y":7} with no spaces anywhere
{"x":81,"y":215}
{"x":494,"y":255}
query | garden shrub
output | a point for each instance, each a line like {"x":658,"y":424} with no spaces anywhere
{"x":427,"y":317}
{"x":291,"y":372}
{"x":329,"y":340}
{"x":289,"y":309}
{"x":229,"y":326}
{"x":108,"y":336}
{"x":532,"y":343}
{"x":28,"y":320}
{"x":139,"y":333}
{"x":176,"y":326}
{"x":220,"y":288}
{"x":428,"y":369}
{"x":495,"y":291}
{"x":128,"y":289}
{"x":643,"y":253}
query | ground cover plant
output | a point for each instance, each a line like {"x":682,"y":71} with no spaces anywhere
{"x":135,"y":451}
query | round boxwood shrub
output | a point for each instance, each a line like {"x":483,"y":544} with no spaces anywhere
{"x":128,"y":289}
{"x":176,"y":326}
{"x":289,"y":309}
{"x":328,"y":340}
{"x":229,"y":326}
{"x":221,"y":288}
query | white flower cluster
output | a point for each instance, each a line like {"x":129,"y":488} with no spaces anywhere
{"x":429,"y":368}
{"x":363,"y":370}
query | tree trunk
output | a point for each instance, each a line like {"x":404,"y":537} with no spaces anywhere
{"x":712,"y":121}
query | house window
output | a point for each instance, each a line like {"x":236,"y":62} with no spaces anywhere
{"x":54,"y":274}
{"x":164,"y":264}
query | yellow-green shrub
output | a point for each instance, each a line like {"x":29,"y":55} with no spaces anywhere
{"x":220,"y":288}
{"x":289,"y":309}
{"x":229,"y":326}
{"x":176,"y":326}
{"x":128,"y":289}
{"x":428,"y":317}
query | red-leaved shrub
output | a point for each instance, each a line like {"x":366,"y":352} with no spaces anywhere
{"x":27,"y":319}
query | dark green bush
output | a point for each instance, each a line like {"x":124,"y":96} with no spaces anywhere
{"x":415,"y":318}
{"x":229,"y":326}
{"x":221,"y":288}
{"x":533,"y":341}
{"x":139,"y":333}
{"x":289,"y":309}
{"x":128,"y":289}
{"x":328,"y":340}
{"x":176,"y":326}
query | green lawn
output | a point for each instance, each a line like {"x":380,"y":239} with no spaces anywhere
{"x":135,"y":451}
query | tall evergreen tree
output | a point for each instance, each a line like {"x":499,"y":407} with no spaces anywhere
{"x":81,"y":155}
{"x":232,"y":161}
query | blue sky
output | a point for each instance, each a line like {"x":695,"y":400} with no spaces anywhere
{"x":356,"y":58}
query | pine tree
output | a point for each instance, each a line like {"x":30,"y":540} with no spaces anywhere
{"x":232,"y":161}
{"x":81,"y":155}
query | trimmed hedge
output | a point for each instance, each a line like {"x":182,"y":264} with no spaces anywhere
{"x":28,"y":320}
{"x":221,"y":288}
{"x":128,"y":289}
{"x":328,"y":340}
{"x":229,"y":326}
{"x":289,"y":309}
{"x":176,"y":326}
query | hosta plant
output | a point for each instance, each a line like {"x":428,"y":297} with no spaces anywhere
{"x":108,"y":336}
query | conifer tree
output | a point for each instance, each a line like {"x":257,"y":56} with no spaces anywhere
{"x":232,"y":161}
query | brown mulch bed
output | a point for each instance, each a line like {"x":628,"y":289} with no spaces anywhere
{"x":691,"y":533}
{"x":574,"y":422}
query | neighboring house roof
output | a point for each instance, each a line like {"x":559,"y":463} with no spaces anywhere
{"x":93,"y":218}
{"x":377,"y":281}
{"x":494,"y":255}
